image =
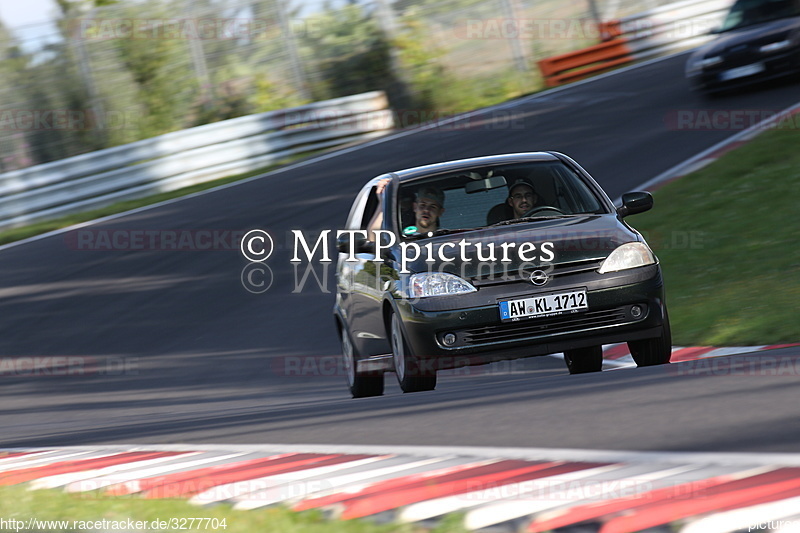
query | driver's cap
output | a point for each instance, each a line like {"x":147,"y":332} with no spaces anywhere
{"x":519,"y":182}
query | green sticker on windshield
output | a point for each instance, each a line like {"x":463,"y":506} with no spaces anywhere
{"x":410,"y":230}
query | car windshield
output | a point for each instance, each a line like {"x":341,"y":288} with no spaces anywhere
{"x":493,"y":196}
{"x":749,"y":12}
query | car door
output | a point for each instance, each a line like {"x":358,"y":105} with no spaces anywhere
{"x":359,"y":289}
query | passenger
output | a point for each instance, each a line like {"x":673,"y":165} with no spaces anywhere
{"x":428,"y":206}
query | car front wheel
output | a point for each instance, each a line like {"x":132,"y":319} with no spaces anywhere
{"x":651,"y":352}
{"x":584,"y":360}
{"x":361,"y":385}
{"x":411,"y":375}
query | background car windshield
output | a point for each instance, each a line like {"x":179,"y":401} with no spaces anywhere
{"x":478,"y":197}
{"x":749,"y":12}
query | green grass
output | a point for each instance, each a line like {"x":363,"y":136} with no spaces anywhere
{"x":728,"y":238}
{"x":16,"y":502}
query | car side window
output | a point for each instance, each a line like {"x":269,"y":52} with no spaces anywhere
{"x":357,"y":218}
{"x":370,"y":209}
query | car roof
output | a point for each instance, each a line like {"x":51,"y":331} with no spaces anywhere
{"x":459,"y":164}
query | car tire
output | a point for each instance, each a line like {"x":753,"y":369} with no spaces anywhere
{"x":411,"y":376}
{"x":584,"y":360}
{"x":651,"y":352}
{"x":361,"y":385}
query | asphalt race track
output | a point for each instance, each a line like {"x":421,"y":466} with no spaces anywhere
{"x":167,"y":346}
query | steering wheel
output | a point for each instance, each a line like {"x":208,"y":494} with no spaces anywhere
{"x":541,"y":208}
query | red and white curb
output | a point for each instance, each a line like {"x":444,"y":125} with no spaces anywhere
{"x":619,"y":356}
{"x":495,"y":489}
{"x":616,"y":356}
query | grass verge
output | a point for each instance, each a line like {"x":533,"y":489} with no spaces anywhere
{"x":728,"y":238}
{"x":53,"y":506}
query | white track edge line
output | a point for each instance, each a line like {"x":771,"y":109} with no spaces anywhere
{"x":676,"y":170}
{"x":557,"y":454}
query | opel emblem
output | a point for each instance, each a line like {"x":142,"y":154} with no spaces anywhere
{"x":539,"y":277}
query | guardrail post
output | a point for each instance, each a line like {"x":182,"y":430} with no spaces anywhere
{"x":291,"y":48}
{"x":521,"y":58}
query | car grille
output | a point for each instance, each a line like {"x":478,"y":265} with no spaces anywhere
{"x":558,"y":270}
{"x":511,"y":331}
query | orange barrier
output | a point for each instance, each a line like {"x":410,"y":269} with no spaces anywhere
{"x":581,"y":63}
{"x":610,"y":29}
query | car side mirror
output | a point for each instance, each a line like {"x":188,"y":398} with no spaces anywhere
{"x":360,"y":244}
{"x":635,"y":202}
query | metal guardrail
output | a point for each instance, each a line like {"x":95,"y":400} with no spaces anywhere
{"x":187,"y":157}
{"x":671,"y":27}
{"x":658,"y":31}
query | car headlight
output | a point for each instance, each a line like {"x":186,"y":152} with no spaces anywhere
{"x":425,"y":284}
{"x":710,"y":61}
{"x":775,"y":47}
{"x":629,"y":255}
{"x":697,"y":64}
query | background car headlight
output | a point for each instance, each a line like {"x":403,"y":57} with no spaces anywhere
{"x":695,"y":65}
{"x":710,"y":61}
{"x":774,"y":47}
{"x":629,"y":255}
{"x":426,"y":284}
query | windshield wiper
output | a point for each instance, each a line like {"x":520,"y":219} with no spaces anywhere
{"x":436,"y":233}
{"x":528,"y":219}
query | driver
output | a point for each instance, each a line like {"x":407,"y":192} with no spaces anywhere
{"x":522,"y":197}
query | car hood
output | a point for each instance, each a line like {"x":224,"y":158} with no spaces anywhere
{"x":758,"y":34}
{"x":582,"y":238}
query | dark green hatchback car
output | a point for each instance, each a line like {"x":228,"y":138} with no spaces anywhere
{"x":499,"y":257}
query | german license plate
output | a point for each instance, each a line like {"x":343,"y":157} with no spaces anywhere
{"x":741,"y":72}
{"x":545,"y":305}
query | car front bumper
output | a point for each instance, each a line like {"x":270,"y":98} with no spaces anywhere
{"x":481,"y":337}
{"x":775,"y":66}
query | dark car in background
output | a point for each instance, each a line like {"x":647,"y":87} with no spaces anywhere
{"x":758,"y":40}
{"x":569,"y":275}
